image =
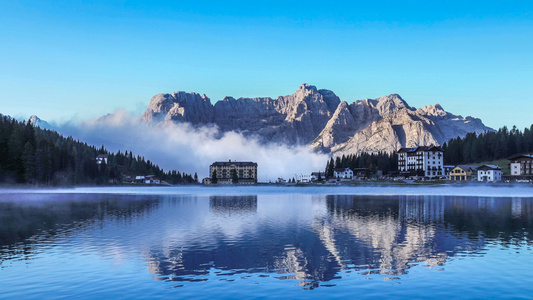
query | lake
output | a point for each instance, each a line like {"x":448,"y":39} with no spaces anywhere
{"x":267,"y":242}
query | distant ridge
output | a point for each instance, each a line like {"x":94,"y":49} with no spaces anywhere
{"x":318,"y":118}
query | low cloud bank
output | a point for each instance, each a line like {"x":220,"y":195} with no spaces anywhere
{"x":189,"y":149}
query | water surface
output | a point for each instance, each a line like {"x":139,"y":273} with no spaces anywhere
{"x":274,"y":245}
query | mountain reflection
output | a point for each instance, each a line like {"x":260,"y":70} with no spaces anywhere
{"x":370,"y":235}
{"x":309,"y":238}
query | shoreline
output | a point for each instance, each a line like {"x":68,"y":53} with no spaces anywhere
{"x":480,"y":190}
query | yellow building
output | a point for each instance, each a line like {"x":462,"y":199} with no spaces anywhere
{"x":233,"y":172}
{"x":463,"y":173}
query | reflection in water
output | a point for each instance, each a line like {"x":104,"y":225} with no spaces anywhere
{"x":30,"y":221}
{"x":233,"y":204}
{"x":311,"y":239}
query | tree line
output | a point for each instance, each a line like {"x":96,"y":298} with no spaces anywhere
{"x":473,"y":148}
{"x":488,"y":146}
{"x":31,"y":155}
{"x":383,"y":161}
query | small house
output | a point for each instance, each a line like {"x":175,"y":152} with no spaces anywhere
{"x":101,"y":159}
{"x":151,"y":179}
{"x":463,"y":173}
{"x":318,"y":175}
{"x":489,"y":173}
{"x":303,"y":178}
{"x":360,"y":173}
{"x":343,"y":173}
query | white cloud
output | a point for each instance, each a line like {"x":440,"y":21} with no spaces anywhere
{"x":190,"y":149}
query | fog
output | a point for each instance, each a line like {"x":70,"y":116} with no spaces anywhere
{"x":192,"y":149}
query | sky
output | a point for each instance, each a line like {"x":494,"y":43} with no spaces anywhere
{"x":77,"y":60}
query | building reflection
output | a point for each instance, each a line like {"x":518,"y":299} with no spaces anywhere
{"x":369,"y":235}
{"x":233,"y":204}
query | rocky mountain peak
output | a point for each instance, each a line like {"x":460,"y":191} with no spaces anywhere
{"x":434,"y":110}
{"x":34,"y":119}
{"x":318,"y":118}
{"x":307,"y":87}
{"x":37,"y":122}
{"x":179,"y":106}
{"x":389,"y":104}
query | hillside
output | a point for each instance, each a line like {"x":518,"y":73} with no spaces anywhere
{"x":31,"y":155}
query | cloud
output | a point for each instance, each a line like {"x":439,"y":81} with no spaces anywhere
{"x":192,"y":149}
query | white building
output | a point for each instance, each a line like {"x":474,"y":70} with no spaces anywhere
{"x":151,"y":179}
{"x":422,"y":161}
{"x":343,"y":173}
{"x":102,"y":158}
{"x":489,"y":173}
{"x":303,"y":178}
{"x":316,"y":175}
{"x":521,"y":165}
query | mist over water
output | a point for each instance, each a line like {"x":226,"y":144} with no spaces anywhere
{"x":192,"y":149}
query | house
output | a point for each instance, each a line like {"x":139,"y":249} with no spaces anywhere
{"x":102,"y":158}
{"x":316,"y":175}
{"x":422,"y":161}
{"x":521,"y":165}
{"x":489,"y":173}
{"x":463,"y":173}
{"x":303,"y":178}
{"x":361,"y":173}
{"x":139,"y":179}
{"x":343,"y":173}
{"x":230,"y":172}
{"x":151,"y":179}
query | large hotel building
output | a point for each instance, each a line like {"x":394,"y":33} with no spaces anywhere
{"x":246,"y":172}
{"x":422,"y":161}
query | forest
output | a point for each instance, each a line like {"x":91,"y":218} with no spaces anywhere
{"x":471,"y":149}
{"x":35,"y":156}
{"x":382,"y":161}
{"x":488,"y":146}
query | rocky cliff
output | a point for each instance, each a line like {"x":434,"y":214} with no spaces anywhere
{"x":318,"y":118}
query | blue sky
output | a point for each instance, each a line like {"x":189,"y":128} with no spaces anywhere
{"x":83,"y":59}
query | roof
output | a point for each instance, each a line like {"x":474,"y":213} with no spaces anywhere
{"x":102,"y":156}
{"x":341,"y":169}
{"x":520,"y":156}
{"x":466,"y":167}
{"x":421,"y":148}
{"x":489,"y":167}
{"x":237,"y":163}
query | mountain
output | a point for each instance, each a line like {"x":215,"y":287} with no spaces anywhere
{"x":35,"y":121}
{"x":318,"y":118}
